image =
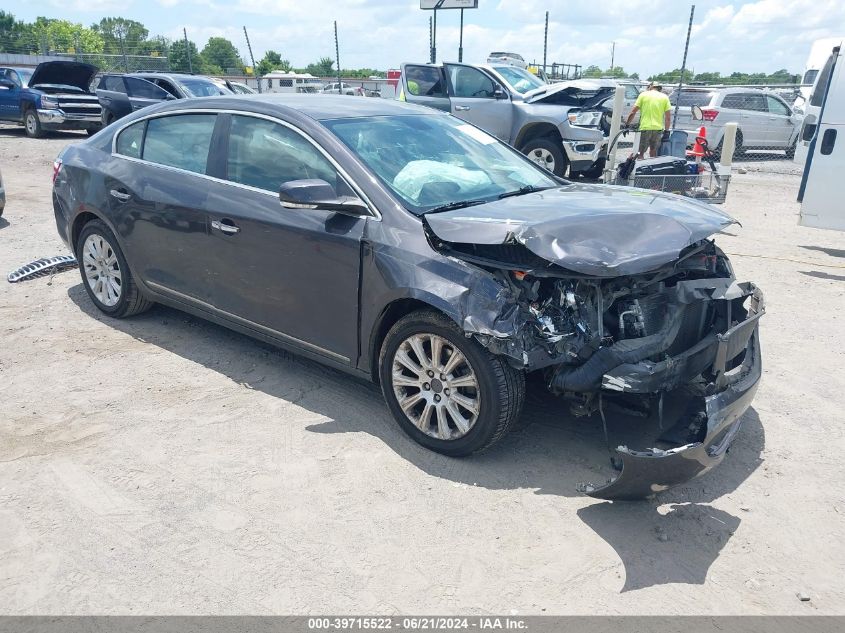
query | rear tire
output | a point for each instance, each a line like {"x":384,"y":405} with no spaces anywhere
{"x":105,"y":273}
{"x":548,"y":154}
{"x":32,"y":124}
{"x":468,"y":401}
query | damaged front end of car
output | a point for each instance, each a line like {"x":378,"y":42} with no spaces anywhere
{"x":677,"y":344}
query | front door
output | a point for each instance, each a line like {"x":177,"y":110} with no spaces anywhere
{"x":781,"y":129}
{"x":476,"y":98}
{"x":10,"y":107}
{"x":424,"y":84}
{"x":289,"y":272}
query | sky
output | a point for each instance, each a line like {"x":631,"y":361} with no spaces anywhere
{"x":753,"y":36}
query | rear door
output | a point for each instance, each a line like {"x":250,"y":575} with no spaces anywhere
{"x":113,"y":98}
{"x":160,"y":202}
{"x":424,"y":84}
{"x":473,"y":99}
{"x":292,"y":273}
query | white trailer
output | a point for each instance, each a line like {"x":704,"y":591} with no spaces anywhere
{"x":821,"y":185}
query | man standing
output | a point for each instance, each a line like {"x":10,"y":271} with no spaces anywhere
{"x":655,"y":116}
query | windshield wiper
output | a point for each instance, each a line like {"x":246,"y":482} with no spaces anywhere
{"x":522,"y":191}
{"x":462,"y":204}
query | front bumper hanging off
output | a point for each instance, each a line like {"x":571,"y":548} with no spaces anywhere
{"x":646,"y":472}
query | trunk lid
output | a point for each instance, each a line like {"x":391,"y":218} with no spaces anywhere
{"x":594,"y":230}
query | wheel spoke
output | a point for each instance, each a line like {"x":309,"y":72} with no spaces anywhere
{"x":466,"y":403}
{"x":425,"y":417}
{"x":459,"y":420}
{"x":443,"y":430}
{"x":408,"y":402}
{"x":454,"y":362}
{"x":436,"y":351}
{"x":464,"y":381}
{"x":416,"y":345}
{"x":403,"y":359}
{"x":401,"y":380}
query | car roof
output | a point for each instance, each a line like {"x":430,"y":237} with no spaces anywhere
{"x":315,"y":106}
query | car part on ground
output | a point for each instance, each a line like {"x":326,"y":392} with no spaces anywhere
{"x":42,"y":267}
{"x":449,"y":267}
{"x":56,"y":96}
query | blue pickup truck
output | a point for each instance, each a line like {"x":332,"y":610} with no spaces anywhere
{"x":55,"y":96}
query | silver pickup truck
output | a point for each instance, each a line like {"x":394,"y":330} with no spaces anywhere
{"x":555,"y":125}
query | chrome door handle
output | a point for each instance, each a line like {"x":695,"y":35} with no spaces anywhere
{"x":120,"y":195}
{"x":461,"y":108}
{"x":225,"y":228}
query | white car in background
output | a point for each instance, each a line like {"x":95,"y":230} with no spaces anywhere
{"x":511,"y":59}
{"x":355,"y":91}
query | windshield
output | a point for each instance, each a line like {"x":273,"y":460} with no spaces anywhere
{"x":24,"y":75}
{"x":430,"y":161}
{"x":519,"y":79}
{"x":197,"y":87}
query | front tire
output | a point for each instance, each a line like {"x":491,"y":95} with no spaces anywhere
{"x":548,"y":154}
{"x":32,"y":124}
{"x":105,"y":273}
{"x":445,"y":390}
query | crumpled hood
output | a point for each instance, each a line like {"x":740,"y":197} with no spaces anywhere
{"x":64,"y":73}
{"x":597,"y":230}
{"x":568,"y":94}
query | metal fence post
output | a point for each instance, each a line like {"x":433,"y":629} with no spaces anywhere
{"x":615,"y":125}
{"x":252,"y":58}
{"x":683,"y":68}
{"x":188,"y":51}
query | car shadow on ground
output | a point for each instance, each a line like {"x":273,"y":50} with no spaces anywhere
{"x":833,"y":252}
{"x":19,"y":132}
{"x":821,"y":275}
{"x":552,"y":453}
{"x":3,"y":223}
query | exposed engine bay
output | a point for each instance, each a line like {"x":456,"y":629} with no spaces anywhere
{"x":659,"y":345}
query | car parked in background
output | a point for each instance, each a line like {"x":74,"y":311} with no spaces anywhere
{"x":503,"y":57}
{"x":234,"y":87}
{"x":541,"y":120}
{"x":55,"y":96}
{"x":764,"y":120}
{"x":402,"y":244}
{"x":120,"y":94}
{"x":344,"y":88}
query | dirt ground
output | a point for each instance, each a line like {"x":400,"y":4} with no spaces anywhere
{"x":164,"y":465}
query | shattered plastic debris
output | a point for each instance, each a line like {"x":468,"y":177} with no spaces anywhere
{"x":42,"y":267}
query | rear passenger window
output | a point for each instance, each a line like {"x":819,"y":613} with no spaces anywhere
{"x":180,"y":140}
{"x":733,"y":101}
{"x":129,"y":140}
{"x":424,"y":81}
{"x":114,"y":83}
{"x":264,"y":155}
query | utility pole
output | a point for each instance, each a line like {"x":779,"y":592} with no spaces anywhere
{"x":546,"y":41}
{"x":337,"y":59}
{"x":683,"y":67}
{"x":188,"y":51}
{"x":434,"y":40}
{"x":461,"y":41}
{"x":612,"y":56}
{"x":252,"y":58}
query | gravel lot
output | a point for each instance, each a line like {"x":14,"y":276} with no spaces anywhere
{"x":164,"y":465}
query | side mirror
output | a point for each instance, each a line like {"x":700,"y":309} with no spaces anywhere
{"x":8,"y":83}
{"x":697,"y":114}
{"x":318,"y":194}
{"x":498,"y":93}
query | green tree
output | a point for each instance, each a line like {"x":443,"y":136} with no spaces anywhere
{"x":270,"y":62}
{"x":15,"y":36}
{"x":592,"y":71}
{"x":177,"y":56}
{"x":134,"y":35}
{"x":323,"y":68}
{"x":64,"y":37}
{"x":221,"y":54}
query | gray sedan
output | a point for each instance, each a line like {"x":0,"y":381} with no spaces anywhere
{"x":402,"y":244}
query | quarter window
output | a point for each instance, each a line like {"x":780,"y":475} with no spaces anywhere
{"x":180,"y":140}
{"x":129,"y":141}
{"x":264,"y":155}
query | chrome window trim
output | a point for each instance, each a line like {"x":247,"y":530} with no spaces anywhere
{"x":375,"y":213}
{"x":251,"y":324}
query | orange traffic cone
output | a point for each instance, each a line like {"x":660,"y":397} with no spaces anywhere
{"x":698,"y":148}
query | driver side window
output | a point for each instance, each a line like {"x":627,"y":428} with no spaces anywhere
{"x":264,"y":154}
{"x":471,"y":82}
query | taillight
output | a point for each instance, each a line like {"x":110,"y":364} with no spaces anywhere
{"x":57,"y":167}
{"x":708,"y":114}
